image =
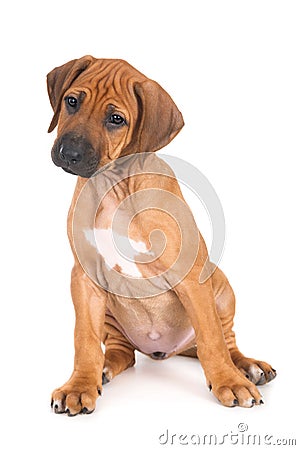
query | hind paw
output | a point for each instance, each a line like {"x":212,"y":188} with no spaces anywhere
{"x":259,"y":372}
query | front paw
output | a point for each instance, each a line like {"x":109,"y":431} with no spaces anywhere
{"x":232,"y":389}
{"x":78,"y":395}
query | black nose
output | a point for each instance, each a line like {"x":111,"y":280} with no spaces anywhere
{"x":69,"y":154}
{"x":158,"y":355}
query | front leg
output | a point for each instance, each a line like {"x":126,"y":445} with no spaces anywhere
{"x":226,"y":382}
{"x":79,"y":393}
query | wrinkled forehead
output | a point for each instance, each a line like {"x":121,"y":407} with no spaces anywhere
{"x":110,"y":79}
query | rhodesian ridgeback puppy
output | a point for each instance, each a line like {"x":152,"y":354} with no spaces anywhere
{"x":111,"y":118}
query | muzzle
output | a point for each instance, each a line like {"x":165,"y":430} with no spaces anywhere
{"x":74,"y":154}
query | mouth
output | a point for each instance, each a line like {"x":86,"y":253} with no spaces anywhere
{"x":80,"y":170}
{"x":84,"y":172}
{"x":68,"y":171}
{"x":81,"y":173}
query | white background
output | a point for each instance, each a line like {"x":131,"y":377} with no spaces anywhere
{"x":233,"y":69}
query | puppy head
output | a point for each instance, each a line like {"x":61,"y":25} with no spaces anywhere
{"x":104,"y":109}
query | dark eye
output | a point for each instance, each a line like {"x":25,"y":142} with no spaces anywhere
{"x":72,"y":101}
{"x":116,"y":119}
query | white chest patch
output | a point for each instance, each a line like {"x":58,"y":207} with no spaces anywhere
{"x":118,"y":251}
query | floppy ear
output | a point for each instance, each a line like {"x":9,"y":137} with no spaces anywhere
{"x":60,"y":79}
{"x":159,"y":118}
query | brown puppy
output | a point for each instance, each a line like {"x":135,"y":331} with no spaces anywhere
{"x":144,"y":298}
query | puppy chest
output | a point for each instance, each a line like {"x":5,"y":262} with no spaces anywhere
{"x":119,"y":252}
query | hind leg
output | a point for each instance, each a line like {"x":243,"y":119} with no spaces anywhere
{"x":119,"y":353}
{"x":259,"y":372}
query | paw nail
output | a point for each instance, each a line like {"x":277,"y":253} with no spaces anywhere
{"x":56,"y":406}
{"x":235,"y":402}
{"x":84,"y":410}
{"x":210,"y":387}
{"x":274,"y":370}
{"x":247,"y":376}
{"x":253,"y":402}
{"x":99,"y":391}
{"x":52,"y":403}
{"x":261,"y":402}
{"x":105,"y":380}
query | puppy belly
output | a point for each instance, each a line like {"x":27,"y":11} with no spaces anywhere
{"x":153,"y":326}
{"x":167,"y":343}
